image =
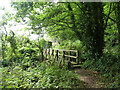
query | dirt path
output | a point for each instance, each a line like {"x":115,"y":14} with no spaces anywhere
{"x":90,"y":78}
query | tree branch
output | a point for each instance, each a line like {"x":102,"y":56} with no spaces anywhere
{"x":108,"y":16}
{"x":80,"y":7}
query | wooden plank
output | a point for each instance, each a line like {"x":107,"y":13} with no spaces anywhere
{"x":70,"y":56}
{"x":77,"y":54}
{"x":76,"y":66}
{"x":66,"y":56}
{"x":66,"y":50}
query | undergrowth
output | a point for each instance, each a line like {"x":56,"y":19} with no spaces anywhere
{"x":108,"y":67}
{"x":39,"y":76}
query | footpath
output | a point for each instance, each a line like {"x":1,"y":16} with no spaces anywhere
{"x":90,"y":78}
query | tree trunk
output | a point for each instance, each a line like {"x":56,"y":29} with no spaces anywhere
{"x":118,"y":22}
{"x":118,"y":26}
{"x":95,"y":29}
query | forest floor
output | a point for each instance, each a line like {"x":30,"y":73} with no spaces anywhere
{"x":90,"y":78}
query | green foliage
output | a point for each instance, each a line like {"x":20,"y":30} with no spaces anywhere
{"x":42,"y":76}
{"x":91,"y":28}
{"x":6,"y":63}
{"x":70,"y":44}
{"x":108,"y":66}
{"x":16,"y":50}
{"x":22,"y":68}
{"x":28,"y":51}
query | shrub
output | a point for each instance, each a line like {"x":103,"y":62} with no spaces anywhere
{"x":42,"y":76}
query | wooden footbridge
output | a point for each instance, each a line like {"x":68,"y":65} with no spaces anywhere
{"x":71,"y":57}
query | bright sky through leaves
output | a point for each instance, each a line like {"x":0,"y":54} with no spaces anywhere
{"x":6,"y":7}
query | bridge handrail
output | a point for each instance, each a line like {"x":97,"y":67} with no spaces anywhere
{"x":55,"y":52}
{"x":66,"y":50}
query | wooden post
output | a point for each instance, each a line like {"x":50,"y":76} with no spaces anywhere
{"x":77,"y":59}
{"x":70,"y":55}
{"x":69,"y":61}
{"x":57,"y":55}
{"x":63,"y":60}
{"x":42,"y":55}
{"x":52,"y":52}
{"x":46,"y":53}
{"x":49,"y":53}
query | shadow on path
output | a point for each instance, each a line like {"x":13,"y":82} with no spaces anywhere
{"x":90,"y":78}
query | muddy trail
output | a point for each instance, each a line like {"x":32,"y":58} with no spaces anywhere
{"x":90,"y":78}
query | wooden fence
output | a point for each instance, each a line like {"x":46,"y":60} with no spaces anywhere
{"x":67,"y":55}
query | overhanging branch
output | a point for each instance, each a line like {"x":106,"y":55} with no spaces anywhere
{"x":108,"y":16}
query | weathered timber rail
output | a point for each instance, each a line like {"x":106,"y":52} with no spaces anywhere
{"x":62,"y":55}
